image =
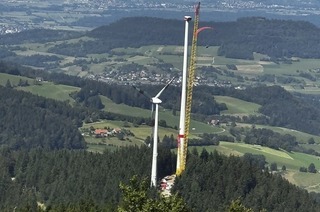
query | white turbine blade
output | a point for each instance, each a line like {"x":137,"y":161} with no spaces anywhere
{"x":152,"y":112}
{"x":152,"y":119}
{"x":164,"y":88}
{"x":142,"y":92}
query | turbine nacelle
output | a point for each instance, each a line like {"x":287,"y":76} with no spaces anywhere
{"x":156,"y":100}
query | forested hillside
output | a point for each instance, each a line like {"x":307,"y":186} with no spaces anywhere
{"x":275,"y":101}
{"x":28,"y":121}
{"x":38,"y":35}
{"x":283,"y":109}
{"x":75,"y":178}
{"x":72,"y":177}
{"x":239,"y":39}
{"x":211,"y":181}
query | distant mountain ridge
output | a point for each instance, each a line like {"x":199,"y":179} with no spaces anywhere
{"x":237,"y":39}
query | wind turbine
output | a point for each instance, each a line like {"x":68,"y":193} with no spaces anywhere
{"x":155,"y":101}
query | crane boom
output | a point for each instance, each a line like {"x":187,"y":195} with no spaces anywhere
{"x":182,"y":152}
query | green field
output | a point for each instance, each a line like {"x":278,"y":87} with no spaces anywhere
{"x":140,"y":134}
{"x":302,"y":137}
{"x":237,"y":106}
{"x":151,"y":54}
{"x":14,"y":80}
{"x":51,"y":90}
{"x":171,"y":120}
{"x":45,"y":89}
{"x":308,"y":181}
{"x":292,"y":160}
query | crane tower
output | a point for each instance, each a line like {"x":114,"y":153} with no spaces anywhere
{"x":183,"y":147}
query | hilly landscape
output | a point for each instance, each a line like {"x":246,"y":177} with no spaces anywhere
{"x":75,"y":135}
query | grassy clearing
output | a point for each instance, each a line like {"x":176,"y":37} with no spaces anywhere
{"x":292,"y":160}
{"x":237,"y":106}
{"x":308,"y":181}
{"x":302,"y":137}
{"x":140,"y":134}
{"x":45,"y":89}
{"x":171,"y":120}
{"x":51,"y":90}
{"x":98,"y":148}
{"x":303,"y":64}
{"x":14,"y":80}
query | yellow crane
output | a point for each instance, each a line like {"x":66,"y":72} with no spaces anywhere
{"x":182,"y":151}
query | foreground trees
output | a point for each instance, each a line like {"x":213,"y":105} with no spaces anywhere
{"x":67,"y":180}
{"x":211,"y":183}
{"x":136,"y":199}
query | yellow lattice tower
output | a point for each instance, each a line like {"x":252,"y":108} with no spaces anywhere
{"x":191,"y":76}
{"x":183,"y":149}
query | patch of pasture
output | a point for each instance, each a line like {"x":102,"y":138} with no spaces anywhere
{"x":308,"y":181}
{"x":140,"y":133}
{"x":142,"y":60}
{"x":100,"y":148}
{"x":306,"y":90}
{"x":291,"y":69}
{"x":51,"y":90}
{"x":315,"y":147}
{"x":242,"y":147}
{"x":237,"y":106}
{"x":302,"y":137}
{"x":175,"y":60}
{"x":14,"y":80}
{"x":196,"y":127}
{"x":210,"y":51}
{"x":292,"y":160}
{"x":73,"y":70}
{"x":249,"y":69}
{"x":110,"y":106}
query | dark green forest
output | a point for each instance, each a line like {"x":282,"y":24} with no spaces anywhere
{"x":211,"y":181}
{"x":279,"y":39}
{"x":28,"y":121}
{"x":237,"y":39}
{"x":70,"y":179}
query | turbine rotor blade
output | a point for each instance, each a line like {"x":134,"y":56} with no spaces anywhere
{"x":152,"y":111}
{"x":142,"y":92}
{"x":164,"y":88}
{"x":152,"y":119}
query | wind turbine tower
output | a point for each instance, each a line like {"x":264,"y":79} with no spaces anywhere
{"x":181,"y":136}
{"x":156,"y":101}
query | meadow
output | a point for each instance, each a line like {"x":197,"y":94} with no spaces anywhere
{"x":206,"y":56}
{"x":14,"y":80}
{"x":291,"y":160}
{"x":238,"y":107}
{"x":164,"y":114}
